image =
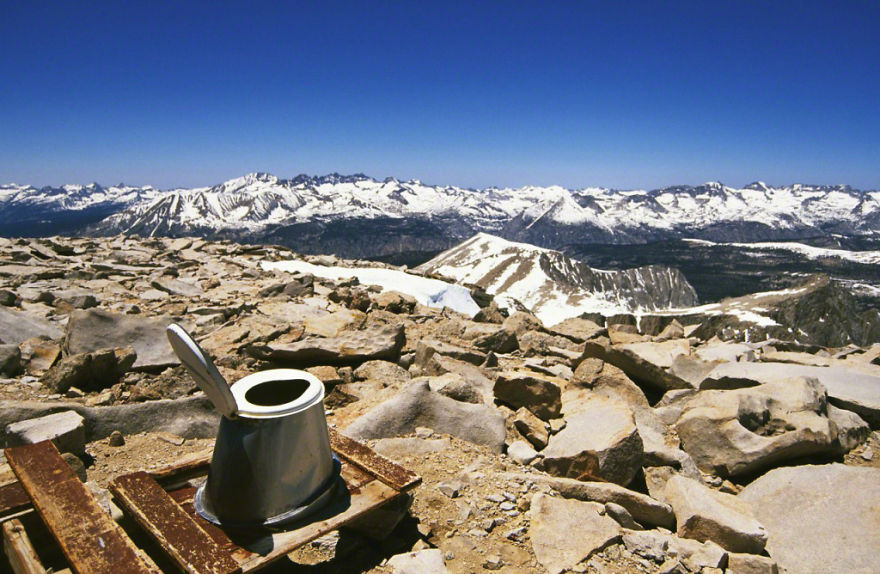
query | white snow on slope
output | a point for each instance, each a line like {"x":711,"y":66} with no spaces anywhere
{"x":808,"y":251}
{"x":551,"y":285}
{"x":258,"y":199}
{"x":429,"y":292}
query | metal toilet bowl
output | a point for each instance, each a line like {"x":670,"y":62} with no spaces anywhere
{"x":272,"y":461}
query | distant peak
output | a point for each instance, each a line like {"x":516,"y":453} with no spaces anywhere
{"x":261,"y":176}
{"x":757,"y":186}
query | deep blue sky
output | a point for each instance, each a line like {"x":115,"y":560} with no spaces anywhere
{"x":623,"y":94}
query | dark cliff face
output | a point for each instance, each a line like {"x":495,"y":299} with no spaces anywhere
{"x":648,"y":287}
{"x":824,"y":313}
{"x":828,"y":316}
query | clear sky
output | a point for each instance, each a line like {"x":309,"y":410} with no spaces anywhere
{"x":476,"y":93}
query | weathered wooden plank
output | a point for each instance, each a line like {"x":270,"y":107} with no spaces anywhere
{"x":175,"y":531}
{"x":256,"y":549}
{"x":91,"y":541}
{"x":366,"y":458}
{"x":19,"y":551}
{"x":189,"y":467}
{"x":13,"y":499}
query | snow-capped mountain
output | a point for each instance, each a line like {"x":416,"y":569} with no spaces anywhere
{"x":27,"y":210}
{"x":334,"y":213}
{"x":556,"y":287}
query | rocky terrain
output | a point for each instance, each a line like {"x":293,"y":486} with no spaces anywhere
{"x":668,"y":443}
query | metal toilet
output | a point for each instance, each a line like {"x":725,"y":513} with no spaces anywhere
{"x":272,"y":461}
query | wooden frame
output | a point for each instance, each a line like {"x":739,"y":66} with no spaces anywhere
{"x":160,"y":502}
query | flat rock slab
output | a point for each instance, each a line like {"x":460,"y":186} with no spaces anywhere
{"x":65,"y":429}
{"x":94,"y":329}
{"x":188,"y":417}
{"x":565,"y":532}
{"x":705,"y":514}
{"x":422,"y":562}
{"x":848,"y":389}
{"x":639,"y":368}
{"x":348,"y":348}
{"x":418,"y":406}
{"x":176,"y":287}
{"x":660,"y":354}
{"x":643,"y":508}
{"x":19,"y":326}
{"x":600,"y":439}
{"x":819,"y":518}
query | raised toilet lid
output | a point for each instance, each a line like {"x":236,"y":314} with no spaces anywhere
{"x":202,"y":369}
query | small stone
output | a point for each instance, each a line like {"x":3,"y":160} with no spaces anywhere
{"x":10,"y":360}
{"x":423,"y":432}
{"x":493,"y":562}
{"x":750,"y":564}
{"x":556,"y":425}
{"x":672,"y":566}
{"x":450,"y":489}
{"x":531,"y":427}
{"x":170,"y":438}
{"x":116,"y":439}
{"x":622,"y":516}
{"x":650,"y":544}
{"x":478,"y":533}
{"x":76,"y":464}
{"x":521,"y":452}
{"x":8,"y":298}
{"x":517,"y":534}
{"x":868,"y":454}
{"x":729,"y":487}
{"x":422,"y":562}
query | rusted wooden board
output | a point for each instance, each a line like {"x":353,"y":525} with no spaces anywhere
{"x":256,"y":549}
{"x":91,"y":541}
{"x":19,"y":551}
{"x":175,"y":531}
{"x":13,"y":499}
{"x":369,"y":460}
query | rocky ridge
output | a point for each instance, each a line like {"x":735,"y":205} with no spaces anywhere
{"x":613,"y":445}
{"x":555,"y":287}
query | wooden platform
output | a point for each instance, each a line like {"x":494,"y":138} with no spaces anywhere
{"x":162,"y":510}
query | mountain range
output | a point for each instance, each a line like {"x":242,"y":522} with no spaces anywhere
{"x":334,"y":213}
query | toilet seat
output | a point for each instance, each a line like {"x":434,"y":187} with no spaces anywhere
{"x":314,"y":393}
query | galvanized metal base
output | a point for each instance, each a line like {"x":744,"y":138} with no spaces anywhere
{"x":327,"y":493}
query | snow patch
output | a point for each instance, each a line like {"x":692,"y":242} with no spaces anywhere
{"x":429,"y":292}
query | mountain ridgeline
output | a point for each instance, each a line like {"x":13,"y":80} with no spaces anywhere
{"x":411,"y":219}
{"x":556,"y":287}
